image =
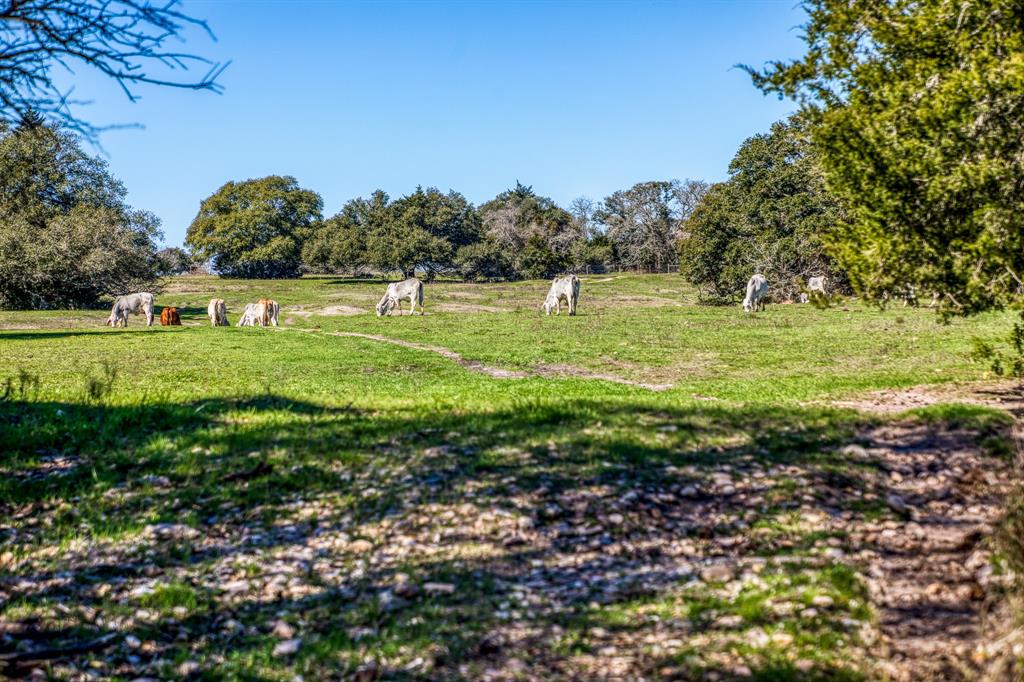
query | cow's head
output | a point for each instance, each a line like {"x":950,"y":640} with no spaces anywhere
{"x":385,"y":306}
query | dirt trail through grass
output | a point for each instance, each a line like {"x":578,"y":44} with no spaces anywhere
{"x":551,"y":371}
{"x":929,"y":570}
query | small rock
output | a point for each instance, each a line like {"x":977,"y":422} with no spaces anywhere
{"x":367,"y":672}
{"x":717,"y":573}
{"x":360,"y":546}
{"x":616,"y":519}
{"x":897,"y":504}
{"x":729,"y":622}
{"x":132,"y":642}
{"x":822,"y":601}
{"x":287,"y":648}
{"x":283,"y":630}
{"x":855,"y":451}
{"x":188,"y":668}
{"x":438,"y":588}
{"x":804,"y":665}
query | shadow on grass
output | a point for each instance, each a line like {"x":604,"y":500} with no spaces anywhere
{"x":195,"y":526}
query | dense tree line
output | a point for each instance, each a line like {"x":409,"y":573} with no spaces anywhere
{"x":67,"y":236}
{"x":270,"y":227}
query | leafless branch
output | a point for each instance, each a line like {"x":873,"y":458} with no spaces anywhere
{"x":122,"y":39}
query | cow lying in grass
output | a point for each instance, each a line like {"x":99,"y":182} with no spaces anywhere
{"x":757,"y":292}
{"x":169,"y":317}
{"x":218,"y":312}
{"x":411,"y":289}
{"x":567,"y":288}
{"x":131,"y":304}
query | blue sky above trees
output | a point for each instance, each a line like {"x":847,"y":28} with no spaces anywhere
{"x":573,"y":98}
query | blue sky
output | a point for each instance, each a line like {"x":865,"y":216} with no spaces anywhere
{"x":573,"y":98}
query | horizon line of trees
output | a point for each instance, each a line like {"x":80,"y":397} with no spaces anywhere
{"x":272,"y":227}
{"x":69,"y":239}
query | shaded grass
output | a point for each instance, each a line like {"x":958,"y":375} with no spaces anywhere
{"x":263,"y":441}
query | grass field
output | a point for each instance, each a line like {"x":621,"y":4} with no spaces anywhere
{"x":651,"y":489}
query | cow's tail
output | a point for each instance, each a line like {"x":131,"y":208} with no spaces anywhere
{"x":419,"y":296}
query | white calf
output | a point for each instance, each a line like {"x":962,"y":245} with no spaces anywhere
{"x":567,"y":288}
{"x":132,"y":303}
{"x":757,"y":291}
{"x":411,"y":289}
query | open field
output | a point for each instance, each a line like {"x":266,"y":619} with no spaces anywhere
{"x":649,"y":490}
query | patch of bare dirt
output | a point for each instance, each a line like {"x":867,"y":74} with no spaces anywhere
{"x":557,"y":370}
{"x":647,"y":301}
{"x":1007,"y":395}
{"x":467,"y":308}
{"x":471,"y":365}
{"x":340,"y":310}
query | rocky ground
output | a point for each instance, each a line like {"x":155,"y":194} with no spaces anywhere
{"x":873,"y":560}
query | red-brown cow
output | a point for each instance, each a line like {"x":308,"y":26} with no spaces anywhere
{"x":169,"y":317}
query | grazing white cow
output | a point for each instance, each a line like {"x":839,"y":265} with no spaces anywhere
{"x":253,"y":315}
{"x":218,"y":312}
{"x":131,"y":304}
{"x":411,"y":289}
{"x":757,"y":291}
{"x":817,"y":284}
{"x":567,"y":288}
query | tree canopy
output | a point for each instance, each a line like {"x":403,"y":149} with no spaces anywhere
{"x":773,"y":215}
{"x":536,"y":233}
{"x":67,"y":236}
{"x":644,"y":222}
{"x":255,"y":228}
{"x":916,"y":107}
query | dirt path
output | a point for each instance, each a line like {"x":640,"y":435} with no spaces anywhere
{"x":550,"y":371}
{"x":930,"y":578}
{"x":929,"y":575}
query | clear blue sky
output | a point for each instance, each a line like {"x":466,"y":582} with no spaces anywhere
{"x":574,"y":98}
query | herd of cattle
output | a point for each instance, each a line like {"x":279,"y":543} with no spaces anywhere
{"x":264,"y":313}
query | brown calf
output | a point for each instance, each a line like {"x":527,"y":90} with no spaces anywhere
{"x":169,"y":317}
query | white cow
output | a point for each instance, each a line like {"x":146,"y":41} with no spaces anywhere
{"x":757,"y":291}
{"x":411,"y":289}
{"x":817,"y":284}
{"x":253,"y":315}
{"x":218,"y":312}
{"x":132,"y":303}
{"x":567,"y":288}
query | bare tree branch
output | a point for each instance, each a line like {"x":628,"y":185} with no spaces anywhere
{"x":122,"y":39}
